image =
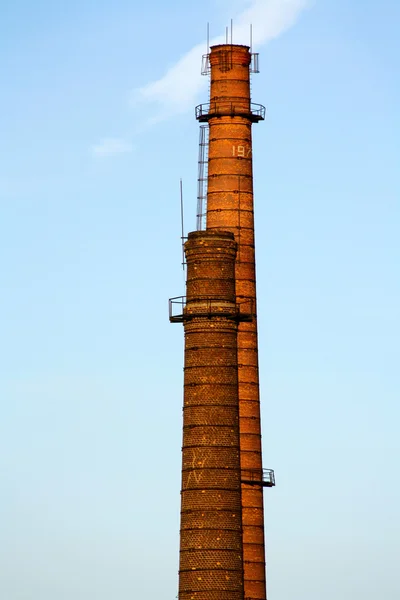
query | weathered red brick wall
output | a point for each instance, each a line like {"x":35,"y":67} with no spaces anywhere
{"x":230,"y":206}
{"x":211,"y":559}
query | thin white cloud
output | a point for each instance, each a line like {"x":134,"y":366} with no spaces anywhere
{"x":179,"y":88}
{"x":111,"y":146}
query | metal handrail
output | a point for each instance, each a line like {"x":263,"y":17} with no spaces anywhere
{"x":206,"y":66}
{"x":269,"y":476}
{"x":178,"y":300}
{"x":255,"y":63}
{"x":213,"y":307}
{"x":230,"y":108}
{"x":262,"y":476}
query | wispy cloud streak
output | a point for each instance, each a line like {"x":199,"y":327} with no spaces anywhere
{"x":179,"y":88}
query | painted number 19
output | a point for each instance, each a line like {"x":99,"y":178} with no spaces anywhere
{"x":241,"y":151}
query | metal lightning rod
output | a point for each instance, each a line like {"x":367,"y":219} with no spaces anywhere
{"x":182,"y":226}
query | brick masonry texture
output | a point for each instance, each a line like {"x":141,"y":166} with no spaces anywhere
{"x":230,"y":207}
{"x":211,"y":543}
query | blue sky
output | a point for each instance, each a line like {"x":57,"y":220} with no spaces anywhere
{"x":97,"y":126}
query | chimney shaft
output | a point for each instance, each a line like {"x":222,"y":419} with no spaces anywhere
{"x":211,"y":565}
{"x":222,"y":553}
{"x":230,"y":206}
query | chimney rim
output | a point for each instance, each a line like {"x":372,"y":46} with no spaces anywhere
{"x":230,"y":46}
{"x":211,"y":233}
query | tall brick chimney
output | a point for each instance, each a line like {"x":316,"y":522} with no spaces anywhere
{"x":230,"y":115}
{"x":222,"y":517}
{"x":211,"y":565}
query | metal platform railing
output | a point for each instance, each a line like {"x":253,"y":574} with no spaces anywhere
{"x":254,"y":64}
{"x":205,"y":64}
{"x":263,"y":477}
{"x":209,"y":307}
{"x":255,"y":112}
{"x":176,"y":307}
